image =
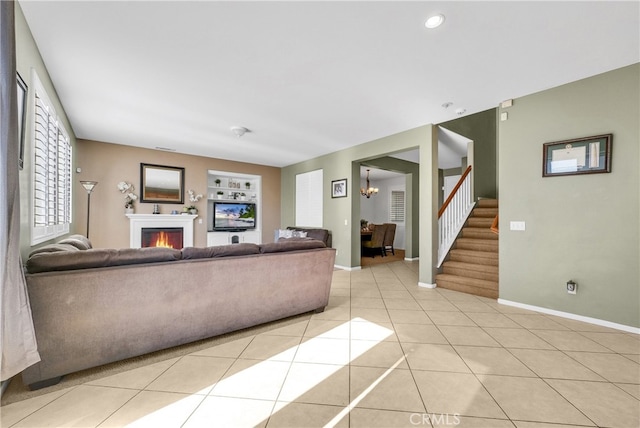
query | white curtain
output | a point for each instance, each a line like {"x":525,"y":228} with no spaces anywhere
{"x":17,"y":336}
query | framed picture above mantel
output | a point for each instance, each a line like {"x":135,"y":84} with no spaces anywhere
{"x":161,"y":184}
{"x":589,"y":155}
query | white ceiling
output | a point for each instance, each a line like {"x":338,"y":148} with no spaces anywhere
{"x":309,"y":78}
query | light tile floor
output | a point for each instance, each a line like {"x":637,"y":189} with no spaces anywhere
{"x":385,"y":353}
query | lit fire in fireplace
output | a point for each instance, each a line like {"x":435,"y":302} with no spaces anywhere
{"x":170,"y":237}
{"x":162,"y":240}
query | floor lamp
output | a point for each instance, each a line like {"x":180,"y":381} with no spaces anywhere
{"x":88,"y":185}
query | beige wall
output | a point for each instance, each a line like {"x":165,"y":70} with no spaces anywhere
{"x":580,"y":227}
{"x":108,"y":164}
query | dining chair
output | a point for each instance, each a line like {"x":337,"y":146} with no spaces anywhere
{"x":389,"y":236}
{"x":377,"y":240}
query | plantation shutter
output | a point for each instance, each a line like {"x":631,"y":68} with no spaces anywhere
{"x":52,"y":159}
{"x":396,"y":210}
{"x":309,"y":194}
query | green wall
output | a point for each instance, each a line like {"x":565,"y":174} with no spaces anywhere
{"x":337,"y":212}
{"x":28,"y":60}
{"x":584,"y":227}
{"x":481,"y":128}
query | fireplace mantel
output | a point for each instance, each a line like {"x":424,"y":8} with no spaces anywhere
{"x":138,"y":221}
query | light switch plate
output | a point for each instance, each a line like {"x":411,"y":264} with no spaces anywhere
{"x":517,"y":225}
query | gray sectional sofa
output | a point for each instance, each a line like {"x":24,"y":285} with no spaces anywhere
{"x":96,"y":306}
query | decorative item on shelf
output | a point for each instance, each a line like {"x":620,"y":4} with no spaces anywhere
{"x":243,"y":196}
{"x":368,"y":191}
{"x":247,"y":185}
{"x":218,"y":181}
{"x":129,"y":197}
{"x":220,"y":194}
{"x":156,"y":209}
{"x":363,"y":223}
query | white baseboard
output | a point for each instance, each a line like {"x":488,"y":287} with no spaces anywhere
{"x":347,"y":268}
{"x":569,"y":315}
{"x":411,"y":259}
{"x":426,"y":285}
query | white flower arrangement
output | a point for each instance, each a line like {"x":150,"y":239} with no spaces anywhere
{"x":193,"y":198}
{"x":127,"y":190}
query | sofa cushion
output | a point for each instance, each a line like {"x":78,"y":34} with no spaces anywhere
{"x":53,"y":248}
{"x":291,"y":244}
{"x":94,"y":258}
{"x":78,"y":241}
{"x":220,"y":251}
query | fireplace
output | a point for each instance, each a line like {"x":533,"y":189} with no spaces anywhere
{"x":169,"y":237}
{"x":161,"y":222}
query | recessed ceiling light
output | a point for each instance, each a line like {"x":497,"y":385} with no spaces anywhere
{"x":434,"y":21}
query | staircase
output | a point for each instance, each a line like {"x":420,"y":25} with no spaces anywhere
{"x":472,"y":266}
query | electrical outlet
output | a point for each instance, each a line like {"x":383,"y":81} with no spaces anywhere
{"x":572,"y":287}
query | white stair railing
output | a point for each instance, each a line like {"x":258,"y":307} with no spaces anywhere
{"x":454,"y":214}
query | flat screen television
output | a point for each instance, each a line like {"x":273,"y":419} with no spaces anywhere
{"x":234,"y":216}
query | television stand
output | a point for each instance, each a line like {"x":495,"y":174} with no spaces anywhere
{"x":235,"y":236}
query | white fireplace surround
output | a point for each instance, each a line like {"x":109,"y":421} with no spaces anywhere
{"x":138,"y":221}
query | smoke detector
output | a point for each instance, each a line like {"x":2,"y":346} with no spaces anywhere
{"x":239,"y":130}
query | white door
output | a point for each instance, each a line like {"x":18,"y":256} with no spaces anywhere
{"x":449,"y":183}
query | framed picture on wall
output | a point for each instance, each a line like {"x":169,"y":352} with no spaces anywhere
{"x":590,"y":155}
{"x":22,"y":116}
{"x":339,"y":188}
{"x":161,"y":184}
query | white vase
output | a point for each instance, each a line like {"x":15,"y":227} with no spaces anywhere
{"x":128,"y":210}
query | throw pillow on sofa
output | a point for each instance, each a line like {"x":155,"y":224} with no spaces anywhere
{"x":78,"y":241}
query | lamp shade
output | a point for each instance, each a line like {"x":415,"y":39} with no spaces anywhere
{"x":88,"y":185}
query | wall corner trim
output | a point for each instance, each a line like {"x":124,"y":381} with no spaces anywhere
{"x":426,"y":285}
{"x":350,"y":269}
{"x":569,"y":315}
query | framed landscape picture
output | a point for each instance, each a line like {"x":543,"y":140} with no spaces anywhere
{"x":161,"y":184}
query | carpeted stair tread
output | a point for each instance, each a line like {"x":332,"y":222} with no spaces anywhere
{"x":485,"y":212}
{"x":466,"y":288}
{"x":484,"y":222}
{"x":474,"y":282}
{"x":479,"y":233}
{"x":487,"y":203}
{"x":474,"y":257}
{"x":471,"y":270}
{"x":472,"y":266}
{"x":490,"y":245}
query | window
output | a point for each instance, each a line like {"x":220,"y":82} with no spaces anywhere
{"x":51,"y":171}
{"x":396,"y":210}
{"x":309,"y":194}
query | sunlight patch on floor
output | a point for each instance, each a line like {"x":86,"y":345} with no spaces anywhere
{"x":264,"y":379}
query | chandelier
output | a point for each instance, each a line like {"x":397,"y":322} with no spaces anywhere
{"x":368,"y":191}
